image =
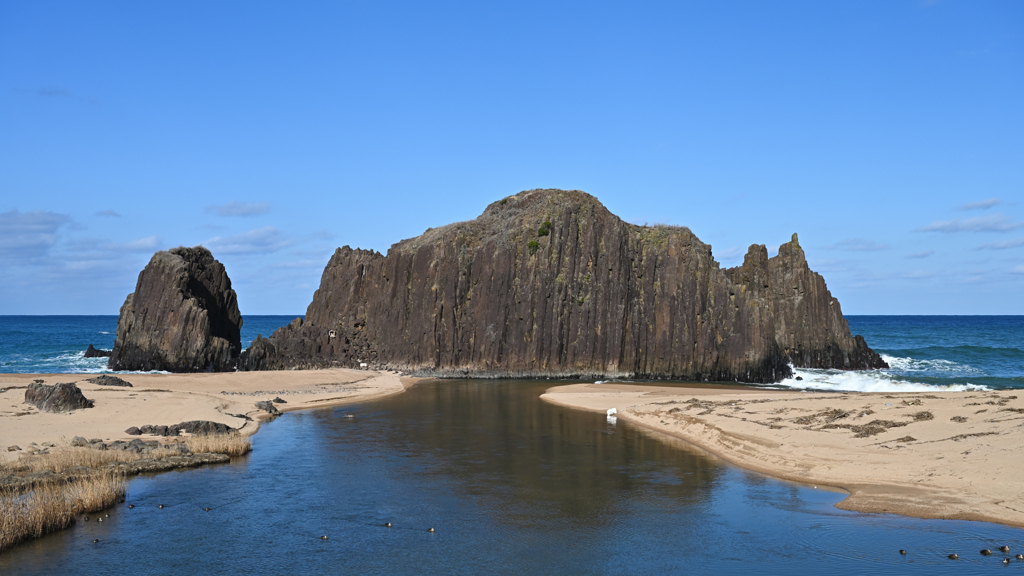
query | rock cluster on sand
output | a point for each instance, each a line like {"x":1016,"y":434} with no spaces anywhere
{"x":194,"y":427}
{"x":550,"y":283}
{"x":62,"y":397}
{"x":182,"y":317}
{"x":268,"y":407}
{"x":107,"y":380}
{"x":91,"y":352}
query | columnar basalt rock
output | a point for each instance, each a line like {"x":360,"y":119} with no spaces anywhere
{"x":549,"y":283}
{"x":182,"y":317}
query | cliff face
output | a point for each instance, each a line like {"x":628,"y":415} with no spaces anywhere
{"x":182,"y":317}
{"x":550,"y":283}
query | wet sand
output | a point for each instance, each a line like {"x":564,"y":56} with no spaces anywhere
{"x":949,"y":455}
{"x":165,"y":399}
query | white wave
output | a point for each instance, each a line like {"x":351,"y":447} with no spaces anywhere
{"x":946,"y":367}
{"x":865,"y":381}
{"x":102,"y":332}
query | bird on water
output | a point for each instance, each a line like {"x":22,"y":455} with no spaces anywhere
{"x":387,"y":524}
{"x":430,"y":529}
{"x":130,"y":506}
{"x":324,"y":537}
{"x":953,"y":556}
{"x":986,"y":552}
{"x":161,"y":506}
{"x":903,"y":552}
{"x":1019,"y":556}
{"x":1006,"y":561}
{"x":96,"y":540}
{"x":1004,"y":548}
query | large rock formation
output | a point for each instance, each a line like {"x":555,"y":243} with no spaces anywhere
{"x":182,"y":317}
{"x":550,"y":283}
{"x":63,"y":397}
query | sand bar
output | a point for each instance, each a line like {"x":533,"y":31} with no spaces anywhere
{"x":950,"y":455}
{"x":165,"y":399}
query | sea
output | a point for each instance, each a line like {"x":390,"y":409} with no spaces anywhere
{"x":511,"y":484}
{"x":924,"y":353}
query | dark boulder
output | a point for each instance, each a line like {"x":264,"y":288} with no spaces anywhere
{"x":62,"y":397}
{"x":203,"y":427}
{"x":133,"y":431}
{"x":549,"y":283}
{"x":91,"y":352}
{"x":268,"y":407}
{"x":279,"y":400}
{"x":107,"y":380}
{"x":182,"y":317}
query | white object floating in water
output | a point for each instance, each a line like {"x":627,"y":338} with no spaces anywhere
{"x":611,"y":416}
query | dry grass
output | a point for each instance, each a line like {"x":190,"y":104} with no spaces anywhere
{"x":230,"y":444}
{"x":62,"y":459}
{"x":54,"y":507}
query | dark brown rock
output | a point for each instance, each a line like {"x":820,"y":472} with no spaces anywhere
{"x":268,"y":407}
{"x":182,"y":317}
{"x":133,"y":431}
{"x":107,"y":380}
{"x":62,"y":397}
{"x":549,"y":283}
{"x":91,"y":352}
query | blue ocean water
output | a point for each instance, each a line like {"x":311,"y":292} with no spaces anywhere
{"x":931,"y":353}
{"x":923,"y":352}
{"x":56,"y":344}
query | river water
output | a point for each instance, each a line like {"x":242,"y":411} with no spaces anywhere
{"x":510,"y":484}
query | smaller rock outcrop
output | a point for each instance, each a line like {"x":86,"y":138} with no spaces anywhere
{"x":182,"y":317}
{"x":268,"y":407}
{"x":194,"y":427}
{"x":91,"y":352}
{"x":107,"y":380}
{"x":62,"y":397}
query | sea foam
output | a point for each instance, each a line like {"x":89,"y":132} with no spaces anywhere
{"x":865,"y":381}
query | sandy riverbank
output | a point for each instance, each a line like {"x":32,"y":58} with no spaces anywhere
{"x":955,"y":455}
{"x":172,"y":398}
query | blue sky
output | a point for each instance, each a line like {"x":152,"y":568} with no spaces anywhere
{"x":888,"y":134}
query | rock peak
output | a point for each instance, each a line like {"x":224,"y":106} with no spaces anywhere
{"x":182,"y":317}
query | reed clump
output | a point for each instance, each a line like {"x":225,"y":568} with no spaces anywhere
{"x":50,"y":507}
{"x":230,"y":444}
{"x":63,"y":459}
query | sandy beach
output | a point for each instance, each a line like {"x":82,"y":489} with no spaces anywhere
{"x":166,"y":399}
{"x":950,"y":455}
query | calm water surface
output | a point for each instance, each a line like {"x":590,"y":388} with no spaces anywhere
{"x":511,"y":484}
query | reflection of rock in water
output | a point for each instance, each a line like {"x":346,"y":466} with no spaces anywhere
{"x":492,"y":437}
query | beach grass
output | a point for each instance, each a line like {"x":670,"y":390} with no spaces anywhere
{"x":52,"y":507}
{"x":230,"y":444}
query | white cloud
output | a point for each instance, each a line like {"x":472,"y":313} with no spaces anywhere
{"x":858,"y":245}
{"x":981,"y":204}
{"x":25,"y":236}
{"x":260,"y":241}
{"x":241,"y":209}
{"x":990,"y":223}
{"x":731,"y":253}
{"x":923,"y":254}
{"x":109,"y":213}
{"x":1019,"y":269}
{"x":1003,"y":245}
